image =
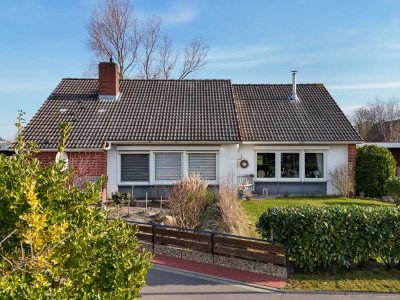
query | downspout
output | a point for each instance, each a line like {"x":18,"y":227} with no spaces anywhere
{"x":106,"y":147}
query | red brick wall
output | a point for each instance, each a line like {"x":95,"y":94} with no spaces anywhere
{"x":83,"y":163}
{"x":352,"y":155}
{"x":108,"y":78}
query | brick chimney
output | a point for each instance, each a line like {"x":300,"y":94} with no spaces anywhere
{"x":108,"y":81}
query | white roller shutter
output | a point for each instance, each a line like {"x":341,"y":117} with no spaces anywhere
{"x":203,"y":165}
{"x":168,"y":166}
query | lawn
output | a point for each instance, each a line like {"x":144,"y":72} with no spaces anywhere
{"x":254,"y":208}
{"x":379,"y":280}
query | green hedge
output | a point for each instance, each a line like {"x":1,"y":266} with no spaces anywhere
{"x":375,"y":165}
{"x":335,"y":235}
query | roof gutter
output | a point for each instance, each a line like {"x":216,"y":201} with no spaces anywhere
{"x":302,"y":143}
{"x":174,"y":142}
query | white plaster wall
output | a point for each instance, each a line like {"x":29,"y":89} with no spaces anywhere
{"x":337,"y":155}
{"x":112,"y":171}
{"x":247,"y":152}
{"x":228,"y":163}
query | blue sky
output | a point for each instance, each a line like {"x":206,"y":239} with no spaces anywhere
{"x":353,"y":47}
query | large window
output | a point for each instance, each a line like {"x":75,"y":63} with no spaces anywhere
{"x":266,"y":165}
{"x":168,"y":166}
{"x":135,"y":167}
{"x":290,"y":165}
{"x":203,"y":165}
{"x":314,"y":165}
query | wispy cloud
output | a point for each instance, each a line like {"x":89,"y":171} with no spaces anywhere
{"x":366,"y":86}
{"x":238,"y":53}
{"x":180,"y":14}
{"x":249,"y":56}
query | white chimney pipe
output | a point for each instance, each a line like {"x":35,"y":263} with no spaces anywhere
{"x":294,"y":96}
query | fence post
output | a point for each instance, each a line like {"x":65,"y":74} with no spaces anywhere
{"x":272,"y":234}
{"x":153,"y":237}
{"x":212,"y":245}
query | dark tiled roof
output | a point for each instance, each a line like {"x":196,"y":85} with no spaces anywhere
{"x":187,"y":111}
{"x":266,"y":114}
{"x":148,"y":110}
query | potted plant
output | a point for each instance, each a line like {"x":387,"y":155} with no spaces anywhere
{"x":241,"y":193}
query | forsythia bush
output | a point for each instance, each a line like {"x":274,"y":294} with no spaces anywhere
{"x":54,"y":243}
{"x":345,"y":236}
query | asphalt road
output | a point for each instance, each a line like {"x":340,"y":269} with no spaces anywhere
{"x":167,"y":283}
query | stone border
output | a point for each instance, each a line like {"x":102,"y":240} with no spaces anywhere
{"x":219,"y":260}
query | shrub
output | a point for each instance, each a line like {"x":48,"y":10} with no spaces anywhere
{"x":375,"y":165}
{"x":55,"y":243}
{"x":338,"y":235}
{"x":118,"y":197}
{"x":393,"y":189}
{"x":342,"y":179}
{"x":188,"y":199}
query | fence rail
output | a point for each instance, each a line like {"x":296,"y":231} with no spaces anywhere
{"x":212,"y":242}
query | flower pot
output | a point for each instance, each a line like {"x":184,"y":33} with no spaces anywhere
{"x":241,"y":196}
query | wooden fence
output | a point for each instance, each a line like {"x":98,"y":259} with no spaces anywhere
{"x":213,"y":243}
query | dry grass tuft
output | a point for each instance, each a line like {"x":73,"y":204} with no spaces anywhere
{"x":234,"y":219}
{"x":187,"y":201}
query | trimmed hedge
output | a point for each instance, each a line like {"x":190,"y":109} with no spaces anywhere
{"x":393,"y":189}
{"x":334,"y":235}
{"x":375,"y":165}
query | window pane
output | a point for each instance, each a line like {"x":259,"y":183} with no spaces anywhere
{"x":290,"y":165}
{"x":168,"y":166}
{"x":314,"y":165}
{"x":135,"y":167}
{"x":265,"y":165}
{"x":203,"y":165}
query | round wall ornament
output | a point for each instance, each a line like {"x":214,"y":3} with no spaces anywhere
{"x":244,"y":163}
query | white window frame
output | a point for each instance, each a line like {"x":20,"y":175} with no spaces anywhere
{"x":273,"y":179}
{"x":301,"y":166}
{"x":291,"y":149}
{"x":119,"y":167}
{"x":153,"y":171}
{"x":321,"y":179}
{"x":213,"y":182}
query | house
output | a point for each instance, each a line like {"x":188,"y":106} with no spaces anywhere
{"x":146,"y":134}
{"x":5,"y":147}
{"x":386,"y":134}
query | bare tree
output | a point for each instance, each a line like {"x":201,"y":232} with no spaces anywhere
{"x":363,"y":120}
{"x":113,"y":32}
{"x":168,"y":58}
{"x":141,"y":49}
{"x":195,"y":57}
{"x":386,"y":113}
{"x":150,"y":69}
{"x":380,"y":118}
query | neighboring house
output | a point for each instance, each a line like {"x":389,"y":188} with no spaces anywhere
{"x":150,"y":133}
{"x":5,"y":147}
{"x":393,"y":147}
{"x":387,"y":135}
